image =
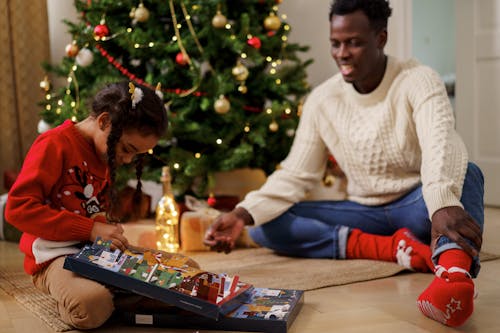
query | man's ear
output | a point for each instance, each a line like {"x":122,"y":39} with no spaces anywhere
{"x":103,"y":121}
{"x":382,"y":38}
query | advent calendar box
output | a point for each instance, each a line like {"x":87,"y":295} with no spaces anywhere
{"x":162,"y":276}
{"x":265,"y":310}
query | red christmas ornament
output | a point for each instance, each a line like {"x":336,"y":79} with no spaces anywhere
{"x":332,"y":159}
{"x":254,"y":42}
{"x":101,"y":30}
{"x":180,"y":59}
{"x":211,"y":201}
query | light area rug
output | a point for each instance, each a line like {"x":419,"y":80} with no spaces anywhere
{"x":259,"y":267}
{"x":262,"y":268}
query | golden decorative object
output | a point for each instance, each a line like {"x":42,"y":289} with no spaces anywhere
{"x":167,"y":217}
{"x":219,"y":20}
{"x":272,"y":22}
{"x":141,"y":14}
{"x":45,"y":84}
{"x":222,"y":105}
{"x":329,"y":180}
{"x":273,"y":126}
{"x":240,"y":72}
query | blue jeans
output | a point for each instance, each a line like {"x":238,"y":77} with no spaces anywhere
{"x":319,"y":229}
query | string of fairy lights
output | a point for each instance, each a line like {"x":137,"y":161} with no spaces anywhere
{"x":84,"y":56}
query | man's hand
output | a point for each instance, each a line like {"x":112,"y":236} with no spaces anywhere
{"x":456,"y":224}
{"x":227,"y":227}
{"x":110,"y":231}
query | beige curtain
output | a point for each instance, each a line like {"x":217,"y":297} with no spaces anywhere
{"x":24,"y":44}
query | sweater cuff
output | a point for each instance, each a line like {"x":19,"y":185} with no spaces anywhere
{"x":243,"y":214}
{"x":82,"y":228}
{"x":254,"y":220}
{"x":440,"y":198}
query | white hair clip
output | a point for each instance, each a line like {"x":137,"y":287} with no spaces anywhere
{"x":136,"y":94}
{"x":158,"y":91}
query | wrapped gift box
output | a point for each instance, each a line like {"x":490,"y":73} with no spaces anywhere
{"x":141,"y":233}
{"x":192,"y":229}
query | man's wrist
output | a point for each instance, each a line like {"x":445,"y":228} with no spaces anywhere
{"x":243,"y":214}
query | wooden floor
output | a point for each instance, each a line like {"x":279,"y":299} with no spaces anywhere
{"x":385,"y":305}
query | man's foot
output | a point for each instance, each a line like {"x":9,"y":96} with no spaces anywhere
{"x":449,"y":299}
{"x":412,"y":253}
{"x":402,"y":247}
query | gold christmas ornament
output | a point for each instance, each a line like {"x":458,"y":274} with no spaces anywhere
{"x":328,"y":180}
{"x":273,"y":126}
{"x":45,"y":84}
{"x":72,"y":49}
{"x":272,"y":22}
{"x":243,"y":89}
{"x":222,"y":105}
{"x":299,"y":108}
{"x":219,"y":20}
{"x":141,"y":14}
{"x":240,"y":72}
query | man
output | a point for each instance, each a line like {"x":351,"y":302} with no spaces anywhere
{"x":389,"y":124}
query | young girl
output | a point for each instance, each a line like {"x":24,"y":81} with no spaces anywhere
{"x":64,"y":192}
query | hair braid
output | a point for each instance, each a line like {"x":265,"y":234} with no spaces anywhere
{"x":138,"y":189}
{"x":112,"y":141}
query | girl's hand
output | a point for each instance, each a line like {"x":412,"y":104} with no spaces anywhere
{"x":110,"y":232}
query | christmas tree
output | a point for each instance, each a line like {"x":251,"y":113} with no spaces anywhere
{"x":232,"y":82}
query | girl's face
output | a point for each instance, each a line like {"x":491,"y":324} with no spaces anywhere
{"x":131,"y":143}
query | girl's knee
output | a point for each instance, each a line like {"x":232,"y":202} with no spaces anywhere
{"x":90,"y":309}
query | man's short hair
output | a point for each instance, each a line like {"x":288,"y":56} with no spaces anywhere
{"x":377,"y":11}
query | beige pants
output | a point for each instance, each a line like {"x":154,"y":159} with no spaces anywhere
{"x":87,"y":304}
{"x":82,"y":303}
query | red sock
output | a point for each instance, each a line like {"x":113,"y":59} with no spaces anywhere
{"x":449,"y":299}
{"x":402,"y":247}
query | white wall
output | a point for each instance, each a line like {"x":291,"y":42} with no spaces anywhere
{"x":310,"y":26}
{"x":434,"y":34}
{"x":59,"y":37}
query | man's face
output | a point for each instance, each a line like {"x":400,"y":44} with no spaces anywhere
{"x":358,"y":50}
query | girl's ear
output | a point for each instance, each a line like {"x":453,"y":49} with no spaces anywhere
{"x":103,"y":121}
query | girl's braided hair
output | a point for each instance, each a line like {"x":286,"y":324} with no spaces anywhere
{"x":148,"y":116}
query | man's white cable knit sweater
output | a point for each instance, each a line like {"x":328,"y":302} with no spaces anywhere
{"x":387,"y":142}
